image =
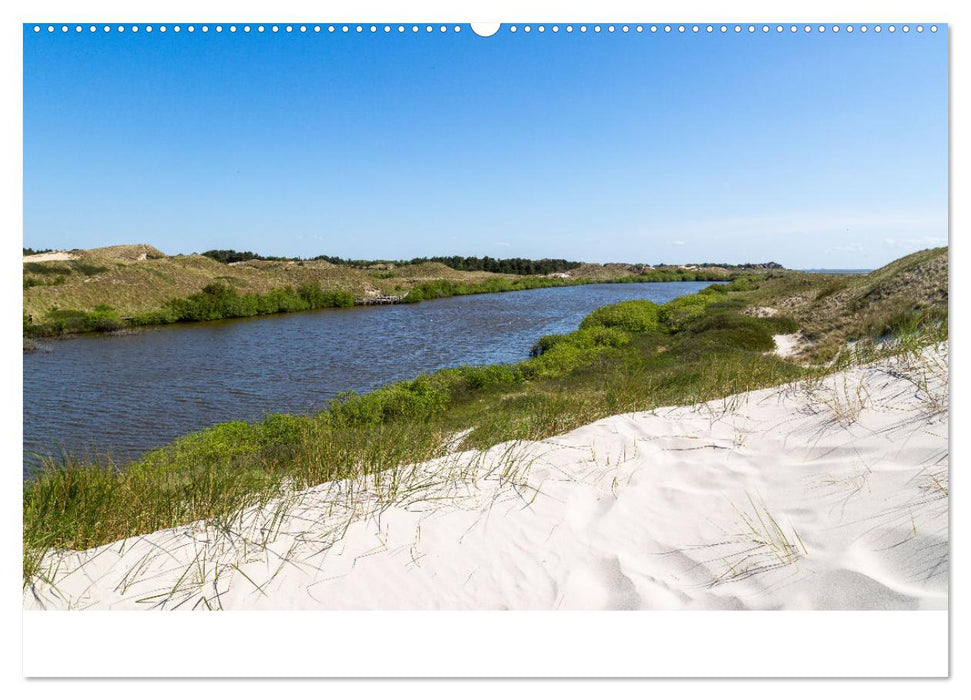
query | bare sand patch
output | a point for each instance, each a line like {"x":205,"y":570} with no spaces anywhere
{"x":53,"y":256}
{"x":790,"y":344}
{"x":761,"y":312}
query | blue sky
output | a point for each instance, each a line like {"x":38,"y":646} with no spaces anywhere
{"x":814,"y":150}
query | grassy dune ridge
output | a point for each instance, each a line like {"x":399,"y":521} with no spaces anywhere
{"x":626,"y":357}
{"x":110,"y":289}
{"x":833,"y":309}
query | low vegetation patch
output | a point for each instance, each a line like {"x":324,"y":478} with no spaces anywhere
{"x":440,"y":289}
{"x":638,"y":316}
{"x":103,"y":319}
{"x":676,"y":314}
{"x":218,"y":301}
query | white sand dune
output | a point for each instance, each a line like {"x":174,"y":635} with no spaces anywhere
{"x":54,"y":256}
{"x":831,"y":495}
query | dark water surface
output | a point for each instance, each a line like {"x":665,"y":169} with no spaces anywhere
{"x":128,"y":394}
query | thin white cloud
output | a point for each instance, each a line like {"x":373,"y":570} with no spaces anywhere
{"x":504,"y":244}
{"x":678,"y":243}
{"x":917,"y":242}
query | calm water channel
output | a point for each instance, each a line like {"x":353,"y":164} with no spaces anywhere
{"x":128,"y":394}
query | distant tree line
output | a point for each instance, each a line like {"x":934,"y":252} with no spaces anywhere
{"x":511,"y":266}
{"x":514,"y":266}
{"x":334,"y":260}
{"x":232,"y":256}
{"x":31,"y":251}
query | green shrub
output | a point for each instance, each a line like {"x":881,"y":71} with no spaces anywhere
{"x":558,"y":360}
{"x":637,"y":316}
{"x":745,"y":283}
{"x":418,"y":398}
{"x":44,"y":282}
{"x":216,"y":301}
{"x":103,"y":320}
{"x":585,"y":338}
{"x":219,"y":300}
{"x":155,"y":318}
{"x":60,"y":321}
{"x":726,"y":331}
{"x":556,"y":355}
{"x":316,"y":298}
{"x":88,"y":269}
{"x":725,"y":305}
{"x":439,"y":289}
{"x":215,"y":445}
{"x":46,"y":269}
{"x":476,"y":378}
{"x":282,"y":429}
{"x":677,"y":313}
{"x":545,"y":343}
{"x":782,"y":324}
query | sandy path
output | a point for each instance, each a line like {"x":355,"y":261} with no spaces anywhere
{"x":829,"y":496}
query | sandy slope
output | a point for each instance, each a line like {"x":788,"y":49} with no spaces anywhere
{"x":55,"y":256}
{"x":827,"y":496}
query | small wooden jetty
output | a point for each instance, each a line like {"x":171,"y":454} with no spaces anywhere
{"x":372,"y":301}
